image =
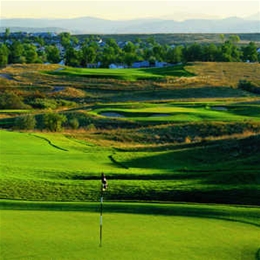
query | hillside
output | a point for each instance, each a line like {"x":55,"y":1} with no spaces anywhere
{"x":186,"y":133}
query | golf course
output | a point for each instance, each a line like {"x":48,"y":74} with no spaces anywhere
{"x":179,"y":146}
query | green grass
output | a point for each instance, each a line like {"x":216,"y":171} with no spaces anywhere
{"x":58,"y":167}
{"x":147,"y":231}
{"x":186,"y":112}
{"x":126,"y":74}
{"x":15,"y":111}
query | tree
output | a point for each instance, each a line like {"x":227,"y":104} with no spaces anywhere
{"x":65,"y":39}
{"x":39,"y":40}
{"x":9,"y":100}
{"x":4,"y":52}
{"x":30,"y":53}
{"x":129,"y":58}
{"x":89,"y":55}
{"x":159,"y":52}
{"x":234,"y":39}
{"x":54,"y":121}
{"x":193,"y":52}
{"x":222,"y":37}
{"x":26,"y":122}
{"x":249,"y":53}
{"x":74,"y":123}
{"x":230,"y":52}
{"x":7,"y":33}
{"x":53,"y":54}
{"x":16,"y":54}
{"x":129,"y":47}
{"x":175,"y":55}
{"x":210,"y":52}
{"x":108,"y":56}
{"x":73,"y":57}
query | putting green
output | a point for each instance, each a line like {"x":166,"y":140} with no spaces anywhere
{"x":75,"y":235}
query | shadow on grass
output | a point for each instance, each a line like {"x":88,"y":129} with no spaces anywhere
{"x":247,"y":215}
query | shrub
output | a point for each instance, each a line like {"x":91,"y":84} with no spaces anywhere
{"x":249,"y":86}
{"x":74,"y":123}
{"x":91,"y":127}
{"x":44,"y":103}
{"x":27,"y":122}
{"x":54,"y":121}
{"x":9,"y":100}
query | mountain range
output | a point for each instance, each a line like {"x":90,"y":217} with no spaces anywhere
{"x":92,"y":25}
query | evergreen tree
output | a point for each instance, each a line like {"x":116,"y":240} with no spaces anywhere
{"x":3,"y":55}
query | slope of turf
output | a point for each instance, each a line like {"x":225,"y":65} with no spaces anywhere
{"x":58,"y":167}
{"x":181,"y":112}
{"x":126,"y":74}
{"x":66,"y":234}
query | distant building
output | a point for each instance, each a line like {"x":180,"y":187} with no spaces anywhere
{"x":117,"y":66}
{"x":93,"y":65}
{"x":141,"y":64}
{"x":160,"y":64}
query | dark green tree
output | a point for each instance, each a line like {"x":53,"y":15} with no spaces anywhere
{"x":53,"y":121}
{"x":193,"y":52}
{"x":16,"y":54}
{"x":26,"y":122}
{"x":7,"y":33}
{"x":210,"y":52}
{"x":74,"y":123}
{"x":4,"y":52}
{"x":159,"y":52}
{"x":129,"y":58}
{"x":129,"y":47}
{"x":30,"y":53}
{"x":52,"y":54}
{"x":89,"y":55}
{"x":175,"y":55}
{"x":249,"y":53}
{"x":65,"y":39}
{"x":73,"y":57}
{"x":10,"y":100}
{"x":230,"y":52}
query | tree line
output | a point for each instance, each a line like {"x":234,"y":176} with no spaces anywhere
{"x":92,"y":51}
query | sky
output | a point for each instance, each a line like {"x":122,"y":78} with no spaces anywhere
{"x":125,"y":10}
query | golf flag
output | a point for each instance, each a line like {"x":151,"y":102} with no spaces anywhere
{"x":104,"y":182}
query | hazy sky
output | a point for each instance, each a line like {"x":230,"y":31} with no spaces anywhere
{"x":123,"y":9}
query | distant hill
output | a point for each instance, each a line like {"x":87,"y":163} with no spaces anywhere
{"x":89,"y":25}
{"x":255,"y":16}
{"x":34,"y":29}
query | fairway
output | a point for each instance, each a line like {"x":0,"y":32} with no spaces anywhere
{"x":181,"y":112}
{"x":57,"y":166}
{"x":126,"y":74}
{"x":44,"y":234}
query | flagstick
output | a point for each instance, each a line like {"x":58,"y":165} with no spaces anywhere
{"x":101,"y":211}
{"x":103,"y":188}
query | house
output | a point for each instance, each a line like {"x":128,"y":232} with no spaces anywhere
{"x":141,"y":64}
{"x":117,"y":66}
{"x":160,"y":64}
{"x":93,"y":65}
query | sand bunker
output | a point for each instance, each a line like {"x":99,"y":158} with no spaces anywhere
{"x":111,"y":114}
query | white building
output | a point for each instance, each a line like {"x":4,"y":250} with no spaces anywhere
{"x":117,"y":66}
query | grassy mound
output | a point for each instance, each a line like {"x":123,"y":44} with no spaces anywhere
{"x":59,"y":167}
{"x":126,"y":74}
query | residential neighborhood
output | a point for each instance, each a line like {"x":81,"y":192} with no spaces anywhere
{"x":95,"y":52}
